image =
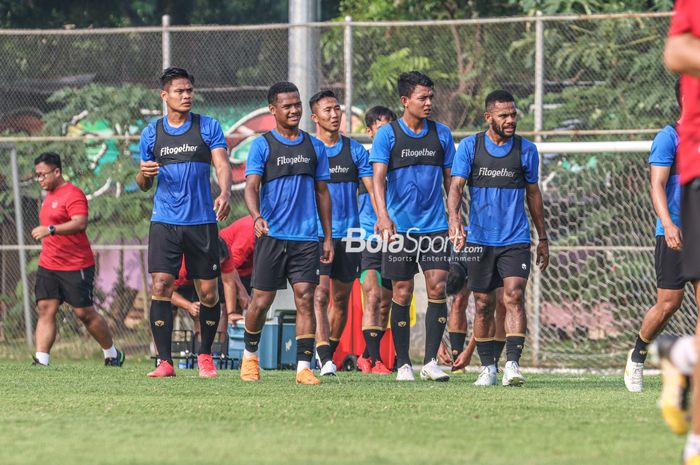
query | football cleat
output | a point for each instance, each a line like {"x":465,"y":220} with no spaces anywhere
{"x":431,"y":372}
{"x":306,"y":376}
{"x":164,"y":370}
{"x":675,"y":388}
{"x":405,"y":373}
{"x":486,"y":377}
{"x":511,"y":375}
{"x":364,"y":365}
{"x":206,"y":366}
{"x":36,"y":362}
{"x":328,"y":368}
{"x":115,"y":361}
{"x":634,"y":379}
{"x":250,"y":369}
{"x":380,"y":369}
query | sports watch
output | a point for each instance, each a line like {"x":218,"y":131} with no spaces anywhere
{"x":52,"y":229}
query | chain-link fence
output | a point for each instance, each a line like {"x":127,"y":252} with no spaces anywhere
{"x":88,"y":93}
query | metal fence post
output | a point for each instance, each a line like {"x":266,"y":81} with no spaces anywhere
{"x":165,"y":22}
{"x":304,"y":54}
{"x":347,"y":49}
{"x":539,"y":104}
{"x":19,"y":226}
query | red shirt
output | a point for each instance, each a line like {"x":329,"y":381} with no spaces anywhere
{"x":64,"y":252}
{"x":240,"y":237}
{"x":686,"y":19}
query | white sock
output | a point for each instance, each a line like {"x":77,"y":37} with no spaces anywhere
{"x":684,"y":354}
{"x":43,"y":357}
{"x":247,"y":354}
{"x":111,"y":352}
{"x":303,"y":365}
{"x":692,"y":447}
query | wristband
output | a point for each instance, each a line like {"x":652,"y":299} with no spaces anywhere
{"x":256,"y":219}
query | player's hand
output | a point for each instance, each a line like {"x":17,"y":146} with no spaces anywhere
{"x":385,"y":228}
{"x":149,"y":169}
{"x":233,"y":318}
{"x":40,"y":232}
{"x":457,"y":234}
{"x":673,"y":237}
{"x":222,"y":206}
{"x":462,"y":360}
{"x":327,"y":256}
{"x":193,"y":309}
{"x":444,"y":356}
{"x":261,"y":227}
{"x":543,"y":254}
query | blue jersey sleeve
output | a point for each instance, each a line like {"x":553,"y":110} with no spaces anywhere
{"x":257,"y":157}
{"x":448,"y":144}
{"x":382,"y":145}
{"x":663,"y":150}
{"x":361,"y":158}
{"x":212,"y":134}
{"x":530,"y":159}
{"x":464,"y":157}
{"x":148,"y":140}
{"x":323,"y":172}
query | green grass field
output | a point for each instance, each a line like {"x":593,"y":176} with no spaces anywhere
{"x":83,"y":413}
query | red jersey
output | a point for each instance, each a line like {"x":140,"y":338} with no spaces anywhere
{"x":69,"y":252}
{"x":240,"y":237}
{"x":686,"y":20}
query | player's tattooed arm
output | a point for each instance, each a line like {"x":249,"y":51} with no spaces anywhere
{"x":454,"y":211}
{"x":251,"y":195}
{"x":536,"y":207}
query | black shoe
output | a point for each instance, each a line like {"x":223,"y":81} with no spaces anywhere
{"x":36,"y":362}
{"x":115,"y":361}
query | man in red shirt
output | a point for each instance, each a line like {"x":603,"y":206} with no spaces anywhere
{"x":682,"y":55}
{"x":66,"y":264}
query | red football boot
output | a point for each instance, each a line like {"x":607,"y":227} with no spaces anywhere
{"x":206,"y":366}
{"x":163,"y":370}
{"x":364,"y":364}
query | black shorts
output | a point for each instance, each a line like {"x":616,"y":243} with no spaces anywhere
{"x":431,"y":251}
{"x":345,"y":266}
{"x":488,"y":265}
{"x":73,"y":287}
{"x":372,"y":260}
{"x":276,"y":261}
{"x":690,"y":221}
{"x":668,"y":266}
{"x":245,"y":280}
{"x":167,"y":243}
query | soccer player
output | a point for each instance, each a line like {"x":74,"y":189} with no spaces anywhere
{"x":286,"y":175}
{"x":682,"y":55}
{"x":376,"y":291}
{"x":66,"y":265}
{"x":666,"y":198}
{"x":349,"y":166}
{"x":502,"y":171}
{"x":411,"y":160}
{"x":240,"y":238}
{"x":179,"y":150}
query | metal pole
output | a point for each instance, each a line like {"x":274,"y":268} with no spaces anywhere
{"x":304,"y":60}
{"x":539,"y":100}
{"x":347,"y":53}
{"x":19,"y":225}
{"x":165,"y":23}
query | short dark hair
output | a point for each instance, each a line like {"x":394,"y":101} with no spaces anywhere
{"x":50,"y":158}
{"x":499,"y":95}
{"x":455,"y":279}
{"x":318,"y":96}
{"x":172,"y":73}
{"x":282,"y":87}
{"x":408,"y":82}
{"x":378,"y":113}
{"x":678,"y":92}
{"x":224,"y":252}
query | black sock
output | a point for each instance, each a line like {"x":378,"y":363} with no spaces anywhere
{"x":208,"y":324}
{"x":639,"y":354}
{"x":435,"y":321}
{"x":365,"y":353}
{"x":162,"y":328}
{"x":372,"y":338}
{"x":485,"y":351}
{"x":514,"y":348}
{"x":457,"y":343}
{"x":251,"y":340}
{"x":305,"y":349}
{"x":333,"y":344}
{"x":401,"y":332}
{"x":498,"y":346}
{"x":324,"y":352}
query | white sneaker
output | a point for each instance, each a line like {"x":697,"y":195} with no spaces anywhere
{"x":328,"y":368}
{"x":486,"y":377}
{"x":431,"y":372}
{"x":634,"y":374}
{"x":405,"y":373}
{"x":511,"y":375}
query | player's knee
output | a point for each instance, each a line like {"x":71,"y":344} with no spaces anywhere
{"x":321,"y":298}
{"x":482,"y":307}
{"x":437,"y":290}
{"x":402,"y":294}
{"x":162,"y":287}
{"x":373,"y":298}
{"x":209,"y":298}
{"x":86,"y":315}
{"x":669,"y":307}
{"x":513,"y":296}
